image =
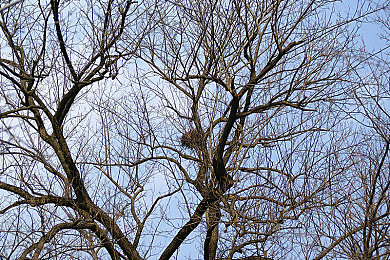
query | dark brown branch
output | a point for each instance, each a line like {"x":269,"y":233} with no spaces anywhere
{"x":54,"y":7}
{"x":35,"y":201}
{"x":218,"y":162}
{"x":194,"y":221}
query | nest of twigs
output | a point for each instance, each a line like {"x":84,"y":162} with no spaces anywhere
{"x":192,"y":139}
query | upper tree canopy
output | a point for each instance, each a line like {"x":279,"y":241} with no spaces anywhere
{"x":203,"y":129}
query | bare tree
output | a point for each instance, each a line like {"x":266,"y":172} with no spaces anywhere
{"x":362,"y":220}
{"x":136,"y":130}
{"x":53,"y":51}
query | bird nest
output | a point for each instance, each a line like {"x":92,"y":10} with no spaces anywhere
{"x":192,"y":139}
